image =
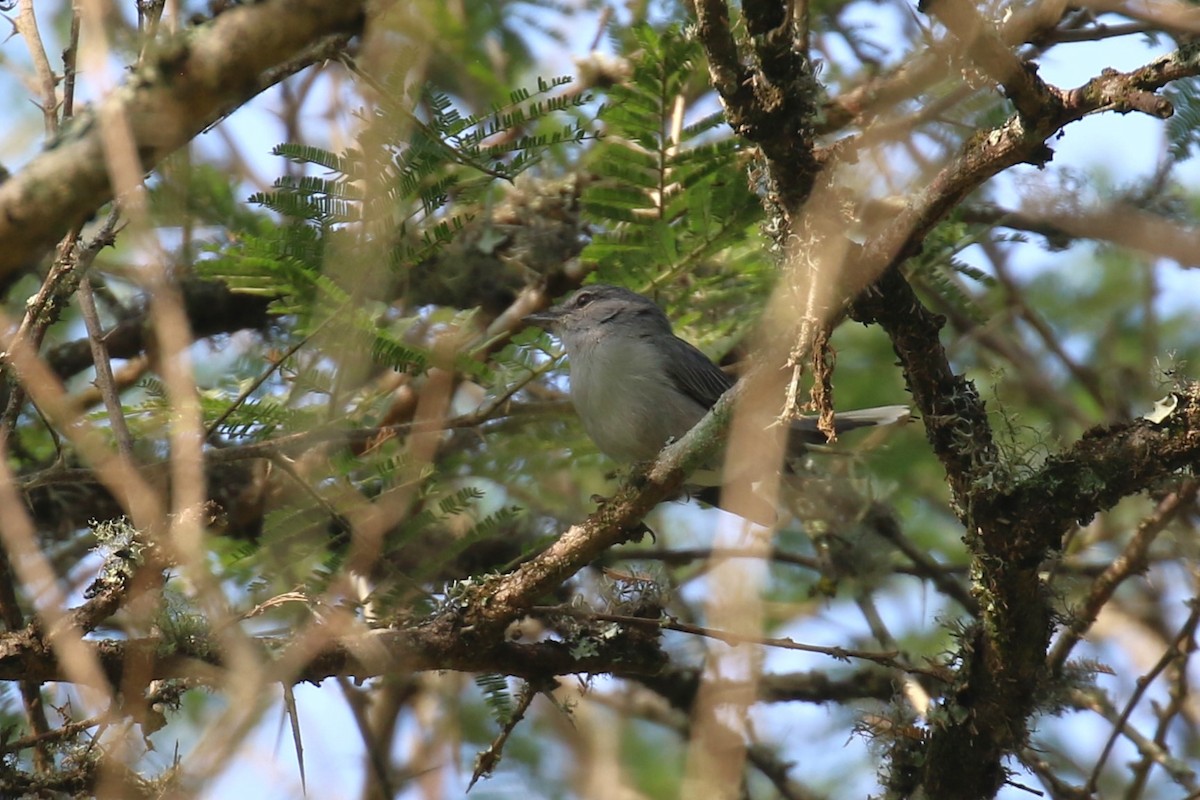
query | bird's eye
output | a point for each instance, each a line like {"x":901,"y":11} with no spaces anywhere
{"x":582,"y":299}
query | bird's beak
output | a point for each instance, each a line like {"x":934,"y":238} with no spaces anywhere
{"x":545,"y":319}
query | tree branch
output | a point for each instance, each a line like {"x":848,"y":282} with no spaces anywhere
{"x":26,"y":655}
{"x":979,"y":42}
{"x":507,"y":597}
{"x":773,"y":104}
{"x":211,"y":309}
{"x":182,"y":88}
{"x":1011,"y":525}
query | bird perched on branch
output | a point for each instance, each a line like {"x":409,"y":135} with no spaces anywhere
{"x":637,"y":386}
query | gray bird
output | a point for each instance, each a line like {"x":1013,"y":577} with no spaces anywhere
{"x":637,"y":386}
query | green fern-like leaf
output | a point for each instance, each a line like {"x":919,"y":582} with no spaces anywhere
{"x":306,"y":154}
{"x":449,"y":506}
{"x":496,"y":696}
{"x":459,"y":502}
{"x":939,"y":278}
{"x":665,"y":200}
{"x":282,"y":264}
{"x":393,"y":196}
{"x":257,"y":418}
{"x":940,"y":269}
{"x":1183,"y":127}
{"x":398,"y":355}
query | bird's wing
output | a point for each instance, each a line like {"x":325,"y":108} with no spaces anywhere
{"x":694,"y":374}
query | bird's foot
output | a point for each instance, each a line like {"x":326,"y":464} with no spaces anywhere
{"x":634,"y":533}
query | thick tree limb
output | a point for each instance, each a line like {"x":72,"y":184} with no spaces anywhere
{"x":1011,"y":526}
{"x":183,"y":87}
{"x":772,"y":104}
{"x":25,"y":655}
{"x":955,"y":420}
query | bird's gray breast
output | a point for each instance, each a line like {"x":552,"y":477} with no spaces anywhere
{"x":624,"y":397}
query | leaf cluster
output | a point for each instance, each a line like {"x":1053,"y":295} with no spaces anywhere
{"x":670,"y":194}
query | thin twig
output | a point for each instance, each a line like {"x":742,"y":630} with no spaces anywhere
{"x":1177,"y":649}
{"x":70,"y":56}
{"x":1098,"y":702}
{"x":44,"y":309}
{"x":27,"y":25}
{"x":1098,"y":32}
{"x":259,"y":381}
{"x":887,"y":659}
{"x":1177,"y":704}
{"x":1059,"y":790}
{"x":486,"y":761}
{"x":104,"y":374}
{"x":886,"y":527}
{"x":1086,"y":377}
{"x":272,"y":448}
{"x":1131,"y":562}
{"x":331,"y":433}
{"x":377,"y":757}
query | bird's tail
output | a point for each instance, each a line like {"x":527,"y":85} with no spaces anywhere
{"x":805,"y":430}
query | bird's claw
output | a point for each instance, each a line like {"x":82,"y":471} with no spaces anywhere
{"x":635,"y":532}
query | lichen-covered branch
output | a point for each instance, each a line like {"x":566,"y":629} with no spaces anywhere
{"x":25,"y":655}
{"x":1011,"y":526}
{"x":773,"y":103}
